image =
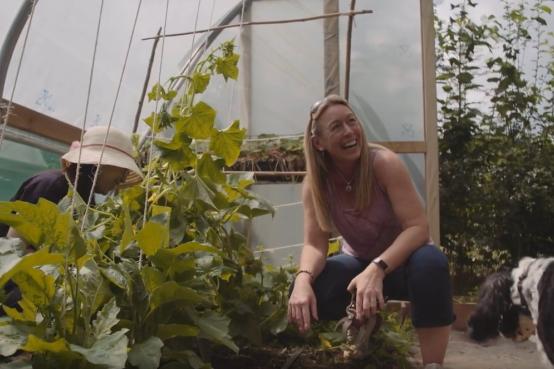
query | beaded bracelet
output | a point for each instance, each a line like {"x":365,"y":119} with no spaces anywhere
{"x":307,"y":272}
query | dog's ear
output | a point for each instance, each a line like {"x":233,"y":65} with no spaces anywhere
{"x":494,"y":302}
{"x":545,"y":322}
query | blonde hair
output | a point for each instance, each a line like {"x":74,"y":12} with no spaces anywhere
{"x":318,"y":166}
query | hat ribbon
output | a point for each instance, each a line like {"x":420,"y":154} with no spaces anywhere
{"x":111,"y":147}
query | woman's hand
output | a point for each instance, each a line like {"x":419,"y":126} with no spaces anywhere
{"x":302,"y":303}
{"x":368,"y":287}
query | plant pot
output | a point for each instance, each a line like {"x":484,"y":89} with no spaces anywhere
{"x":463,"y":311}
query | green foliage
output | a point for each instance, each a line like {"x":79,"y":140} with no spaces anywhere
{"x":273,"y":154}
{"x":389,"y":346}
{"x":496,"y":166}
{"x":155,"y":286}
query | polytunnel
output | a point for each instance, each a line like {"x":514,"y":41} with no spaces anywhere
{"x":69,"y":65}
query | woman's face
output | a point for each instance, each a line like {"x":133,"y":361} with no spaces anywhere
{"x":339,"y":133}
{"x":109,"y":178}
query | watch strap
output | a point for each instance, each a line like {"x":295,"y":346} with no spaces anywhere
{"x":381,"y":263}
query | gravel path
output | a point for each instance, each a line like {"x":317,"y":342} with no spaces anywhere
{"x":500,"y":353}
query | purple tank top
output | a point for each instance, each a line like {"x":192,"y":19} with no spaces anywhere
{"x":368,"y":232}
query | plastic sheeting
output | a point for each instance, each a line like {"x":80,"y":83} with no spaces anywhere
{"x":282,"y":72}
{"x":54,"y":75}
{"x":18,"y":162}
{"x":282,"y":66}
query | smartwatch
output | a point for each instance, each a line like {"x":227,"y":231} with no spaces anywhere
{"x":381,"y":263}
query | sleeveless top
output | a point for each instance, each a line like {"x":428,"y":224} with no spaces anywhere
{"x":367,"y":232}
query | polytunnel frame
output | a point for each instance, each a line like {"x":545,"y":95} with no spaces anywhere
{"x":26,"y":119}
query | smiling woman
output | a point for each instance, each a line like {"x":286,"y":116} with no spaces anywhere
{"x":364,"y":193}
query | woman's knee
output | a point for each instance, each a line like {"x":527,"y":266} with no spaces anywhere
{"x":330,"y":286}
{"x":427,"y":269}
{"x":339,"y":270}
{"x":428,"y":257}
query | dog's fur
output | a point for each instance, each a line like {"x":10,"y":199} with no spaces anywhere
{"x":500,"y":304}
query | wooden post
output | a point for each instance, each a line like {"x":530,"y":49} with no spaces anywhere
{"x":348,"y":51}
{"x":430,"y":118}
{"x":146,"y":80}
{"x":331,"y":76}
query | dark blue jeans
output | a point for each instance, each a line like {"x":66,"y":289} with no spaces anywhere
{"x":424,"y":280}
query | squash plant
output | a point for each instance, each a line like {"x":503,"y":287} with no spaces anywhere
{"x":125,"y":287}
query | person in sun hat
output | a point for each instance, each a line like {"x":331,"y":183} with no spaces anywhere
{"x":364,"y":193}
{"x":116,"y":168}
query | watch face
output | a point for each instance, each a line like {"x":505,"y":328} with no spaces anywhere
{"x":381,"y":263}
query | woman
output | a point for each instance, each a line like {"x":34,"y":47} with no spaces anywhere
{"x":116,"y":169}
{"x":365,"y":193}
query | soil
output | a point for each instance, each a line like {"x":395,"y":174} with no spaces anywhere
{"x":291,"y":358}
{"x":462,"y":353}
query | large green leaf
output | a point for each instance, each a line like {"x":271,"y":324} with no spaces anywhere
{"x":193,"y":247}
{"x":162,"y":215}
{"x":208,"y":169}
{"x":22,"y":363}
{"x":110,"y":351}
{"x":171,"y":291}
{"x":94,"y":290}
{"x":36,"y":286}
{"x":133,"y":198}
{"x":128,"y":233}
{"x":199,"y":82}
{"x":166,"y":261}
{"x":11,"y":338}
{"x":40,"y":257}
{"x":255,"y":207}
{"x":199,"y":124}
{"x":227,"y":66}
{"x":167,"y":331}
{"x":21,"y":216}
{"x":227,"y":143}
{"x":215,"y":327}
{"x":176,"y":152}
{"x":196,"y":190}
{"x":42,"y":224}
{"x":114,"y":274}
{"x":278,"y":321}
{"x":147,"y":354}
{"x":35,"y":344}
{"x":185,"y":359}
{"x":156,"y":93}
{"x":28,"y":311}
{"x":105,"y":320}
{"x":152,"y":237}
{"x":11,"y":251}
{"x":152,"y":278}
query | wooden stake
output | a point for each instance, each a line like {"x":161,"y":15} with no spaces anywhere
{"x":260,"y":23}
{"x":146,"y":80}
{"x":348,"y":51}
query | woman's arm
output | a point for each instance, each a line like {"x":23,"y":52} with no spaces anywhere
{"x":316,"y":241}
{"x":392,"y":175}
{"x":302,"y":302}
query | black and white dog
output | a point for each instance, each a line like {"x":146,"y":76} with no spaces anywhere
{"x":527,"y":289}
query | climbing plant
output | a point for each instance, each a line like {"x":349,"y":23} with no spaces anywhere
{"x":154,"y":287}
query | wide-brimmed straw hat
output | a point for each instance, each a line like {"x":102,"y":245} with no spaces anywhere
{"x":118,"y":152}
